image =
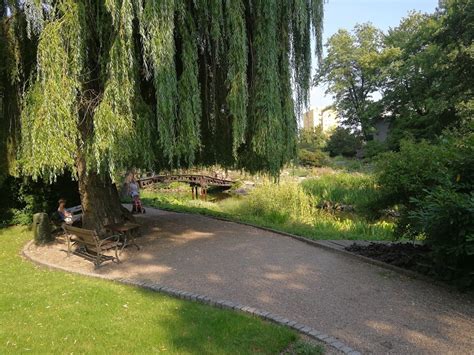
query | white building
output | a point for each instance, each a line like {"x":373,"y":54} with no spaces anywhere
{"x":325,"y":117}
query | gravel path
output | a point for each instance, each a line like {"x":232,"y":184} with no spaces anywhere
{"x":369,"y":308}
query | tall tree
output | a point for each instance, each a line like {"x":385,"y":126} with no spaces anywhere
{"x":423,"y":84}
{"x":160,"y":83}
{"x":351,"y":70}
{"x":426,"y":87}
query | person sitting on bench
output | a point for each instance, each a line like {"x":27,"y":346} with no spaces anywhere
{"x":63,"y":214}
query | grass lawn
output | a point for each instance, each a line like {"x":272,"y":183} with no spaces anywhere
{"x":46,"y":311}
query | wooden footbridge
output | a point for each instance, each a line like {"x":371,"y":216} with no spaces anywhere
{"x":194,"y":180}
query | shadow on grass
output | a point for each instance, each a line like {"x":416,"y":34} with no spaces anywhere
{"x":47,"y":311}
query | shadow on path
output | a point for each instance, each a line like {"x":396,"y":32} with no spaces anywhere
{"x":367,"y":307}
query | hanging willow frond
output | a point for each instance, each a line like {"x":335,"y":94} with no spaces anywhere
{"x":157,"y":31}
{"x":50,"y":114}
{"x":317,"y":16}
{"x":301,"y":61}
{"x":189,"y":101}
{"x":34,"y":17}
{"x":237,"y":56}
{"x":167,"y":82}
{"x":288,"y":110}
{"x":265,"y":112}
{"x":114,"y":116}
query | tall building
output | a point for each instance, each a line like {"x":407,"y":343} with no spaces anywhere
{"x":324,"y":117}
{"x":308,"y":119}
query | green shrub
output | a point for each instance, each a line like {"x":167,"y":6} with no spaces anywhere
{"x":374,"y":148}
{"x":416,"y":167}
{"x":22,"y":197}
{"x":312,"y":139}
{"x":433,"y":184}
{"x":446,"y":218}
{"x":314,"y":159}
{"x":343,"y":142}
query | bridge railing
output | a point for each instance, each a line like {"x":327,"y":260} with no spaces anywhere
{"x":201,"y":180}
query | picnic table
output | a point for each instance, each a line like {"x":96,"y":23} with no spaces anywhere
{"x":127,"y":232}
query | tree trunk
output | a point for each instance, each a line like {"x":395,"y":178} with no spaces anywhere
{"x":99,"y":199}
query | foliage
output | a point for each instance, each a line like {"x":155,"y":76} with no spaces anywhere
{"x":237,"y":97}
{"x":353,"y":189}
{"x":120,"y":121}
{"x":56,"y":319}
{"x":22,"y":197}
{"x":416,"y":167}
{"x":308,"y":158}
{"x":433,"y":185}
{"x":18,"y":52}
{"x":157,"y":29}
{"x":349,"y":164}
{"x":446,"y":218}
{"x":420,"y":69}
{"x":374,"y":148}
{"x":343,"y":142}
{"x":162,"y":84}
{"x":286,"y":207}
{"x":312,"y":139}
{"x":352,"y":72}
{"x":425,"y":88}
{"x":310,"y":145}
{"x":50,"y":115}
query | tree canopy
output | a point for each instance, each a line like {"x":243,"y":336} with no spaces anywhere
{"x":157,"y":84}
{"x":425,"y":88}
{"x":417,"y":75}
{"x":352,"y":72}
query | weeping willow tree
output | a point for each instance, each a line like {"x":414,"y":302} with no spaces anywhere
{"x":155,"y":84}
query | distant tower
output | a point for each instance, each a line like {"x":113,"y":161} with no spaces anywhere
{"x":308,"y":119}
{"x":326,"y":118}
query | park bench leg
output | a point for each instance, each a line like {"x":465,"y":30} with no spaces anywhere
{"x":68,"y":245}
{"x":97,"y":261}
{"x":116,"y":255}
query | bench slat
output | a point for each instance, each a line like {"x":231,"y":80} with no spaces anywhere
{"x":92,"y":243}
{"x":75,"y":209}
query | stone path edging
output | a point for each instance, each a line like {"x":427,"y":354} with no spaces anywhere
{"x":224,"y":304}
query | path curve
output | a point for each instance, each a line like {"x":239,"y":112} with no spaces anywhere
{"x":367,"y":307}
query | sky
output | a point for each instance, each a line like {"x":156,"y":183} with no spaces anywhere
{"x":384,"y":14}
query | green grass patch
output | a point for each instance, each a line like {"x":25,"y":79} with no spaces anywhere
{"x":46,"y":311}
{"x":344,"y":188}
{"x":349,"y":164}
{"x":303,"y":348}
{"x":287,"y":207}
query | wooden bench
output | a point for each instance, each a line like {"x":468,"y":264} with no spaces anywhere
{"x":90,"y":245}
